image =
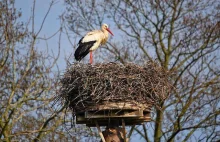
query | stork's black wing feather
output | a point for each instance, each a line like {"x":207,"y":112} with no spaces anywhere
{"x":83,"y":49}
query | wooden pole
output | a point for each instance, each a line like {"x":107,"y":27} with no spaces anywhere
{"x":113,"y":132}
{"x":100,"y":132}
{"x":124,"y":132}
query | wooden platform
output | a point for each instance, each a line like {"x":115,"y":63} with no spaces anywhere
{"x":131,"y":112}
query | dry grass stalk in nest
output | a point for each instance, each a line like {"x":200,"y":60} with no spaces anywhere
{"x":85,"y":85}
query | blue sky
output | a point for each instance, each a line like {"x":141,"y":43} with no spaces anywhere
{"x":52,"y":24}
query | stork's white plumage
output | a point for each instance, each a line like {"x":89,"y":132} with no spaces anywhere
{"x":91,"y":41}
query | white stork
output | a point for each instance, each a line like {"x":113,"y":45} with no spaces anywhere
{"x":91,"y":41}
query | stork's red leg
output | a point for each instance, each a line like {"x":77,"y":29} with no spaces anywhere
{"x":91,"y":58}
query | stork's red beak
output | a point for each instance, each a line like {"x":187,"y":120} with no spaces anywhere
{"x":109,"y":31}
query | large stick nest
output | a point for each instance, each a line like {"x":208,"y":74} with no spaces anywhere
{"x":84,"y":85}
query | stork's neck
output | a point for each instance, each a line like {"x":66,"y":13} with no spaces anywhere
{"x":105,"y":38}
{"x":105,"y":33}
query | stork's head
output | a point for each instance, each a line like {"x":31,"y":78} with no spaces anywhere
{"x":105,"y":27}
